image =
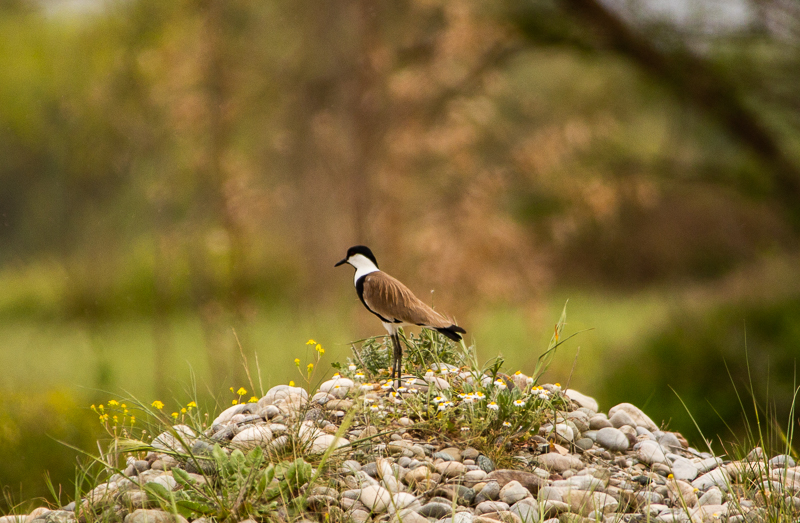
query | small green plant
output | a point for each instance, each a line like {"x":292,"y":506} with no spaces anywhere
{"x":245,"y":485}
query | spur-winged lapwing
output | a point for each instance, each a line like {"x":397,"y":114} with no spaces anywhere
{"x":393,"y":303}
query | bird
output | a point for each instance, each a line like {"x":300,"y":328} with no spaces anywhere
{"x":392,"y":302}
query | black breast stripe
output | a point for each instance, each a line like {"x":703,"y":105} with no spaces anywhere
{"x":360,"y":291}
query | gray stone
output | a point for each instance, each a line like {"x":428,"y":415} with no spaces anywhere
{"x":584,"y":443}
{"x":451,"y":469}
{"x":403,"y":500}
{"x":490,"y":492}
{"x":582,"y":399}
{"x":470,"y":453}
{"x":475,"y":475}
{"x":530,"y":481}
{"x":153,"y":516}
{"x":640,"y":418}
{"x":612,"y":439}
{"x":375,"y":498}
{"x":324,"y":442}
{"x":707,"y":464}
{"x":280,"y":393}
{"x":526,"y":510}
{"x":435,"y":510}
{"x":546,"y":493}
{"x":649,"y":452}
{"x":252,"y":436}
{"x":486,"y":464}
{"x":669,"y":441}
{"x":557,"y":463}
{"x":512,"y":492}
{"x":713,"y":496}
{"x":682,"y":468}
{"x":415,"y":475}
{"x":599,"y":421}
{"x":408,"y":515}
{"x":338,"y":386}
{"x":718,"y":477}
{"x":359,"y":516}
{"x":490,"y":506}
{"x":463,"y":495}
{"x":782,"y":461}
{"x":57,"y":516}
{"x":227,"y":414}
{"x":621,"y":418}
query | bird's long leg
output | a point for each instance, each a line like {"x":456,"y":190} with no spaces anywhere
{"x":398,"y":359}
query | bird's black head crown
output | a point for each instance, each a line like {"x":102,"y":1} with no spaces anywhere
{"x":359,"y":249}
{"x":364,"y":251}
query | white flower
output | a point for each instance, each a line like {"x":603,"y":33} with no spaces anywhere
{"x":519,"y":403}
{"x":352,"y":367}
{"x":369,"y":400}
{"x":374,"y":408}
{"x":464,"y":429}
{"x":438,"y":399}
{"x":402,"y":389}
{"x":493,"y":405}
{"x":359,"y":376}
{"x":366,"y":386}
{"x":506,"y":424}
{"x":500,"y":384}
{"x":480,"y":395}
{"x":386,"y":386}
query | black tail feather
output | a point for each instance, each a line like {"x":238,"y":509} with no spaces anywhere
{"x":452,"y":332}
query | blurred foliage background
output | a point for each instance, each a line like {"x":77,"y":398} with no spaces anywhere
{"x":177,"y":175}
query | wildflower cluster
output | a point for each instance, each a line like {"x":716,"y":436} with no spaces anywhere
{"x":116,"y":415}
{"x":311,"y":366}
{"x":489,"y":402}
{"x":240,"y":393}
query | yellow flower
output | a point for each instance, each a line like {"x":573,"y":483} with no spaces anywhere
{"x":234,"y":402}
{"x":101,"y":407}
{"x":133,"y":420}
{"x":252,"y":399}
{"x":157,"y":404}
{"x":183,"y":410}
{"x":231,"y":389}
{"x":191,"y":405}
{"x":241,"y":391}
{"x":320,"y":349}
{"x":113,"y":403}
{"x":297,"y":361}
{"x":125,"y":411}
{"x":310,"y":367}
{"x":311,"y":342}
{"x":124,"y":406}
{"x":115,"y":419}
{"x":174,"y":415}
{"x":93,"y":407}
{"x":291,"y":383}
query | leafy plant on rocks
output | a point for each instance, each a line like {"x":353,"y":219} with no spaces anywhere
{"x":243,"y":485}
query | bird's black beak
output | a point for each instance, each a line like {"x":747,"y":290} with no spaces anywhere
{"x":341,"y":262}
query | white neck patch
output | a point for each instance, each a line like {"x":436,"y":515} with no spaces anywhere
{"x":363,"y":266}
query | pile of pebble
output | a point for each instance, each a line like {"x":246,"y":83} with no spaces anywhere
{"x":583,"y":466}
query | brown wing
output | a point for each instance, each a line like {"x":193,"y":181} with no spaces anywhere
{"x":392,"y":300}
